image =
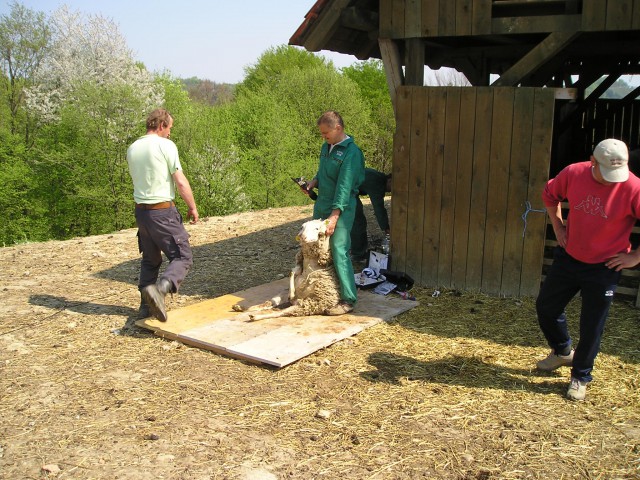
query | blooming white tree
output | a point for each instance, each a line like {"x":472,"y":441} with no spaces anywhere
{"x":89,"y":51}
{"x":93,"y":97}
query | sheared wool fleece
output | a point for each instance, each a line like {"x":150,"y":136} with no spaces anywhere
{"x":315,"y":284}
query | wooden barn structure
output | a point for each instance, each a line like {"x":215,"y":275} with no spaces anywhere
{"x":469,"y":163}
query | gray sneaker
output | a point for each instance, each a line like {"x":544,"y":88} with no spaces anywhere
{"x":577,"y":390}
{"x":553,"y":362}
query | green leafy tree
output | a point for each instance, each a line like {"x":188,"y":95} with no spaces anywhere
{"x":90,"y":99}
{"x":24,"y":42}
{"x":371,"y":80}
{"x":276,"y":110}
{"x":269,"y":137}
{"x":274,"y":62}
{"x":204,"y":136}
{"x":23,"y":210}
{"x":208,"y":92}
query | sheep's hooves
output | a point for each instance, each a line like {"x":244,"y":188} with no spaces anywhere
{"x":237,"y":308}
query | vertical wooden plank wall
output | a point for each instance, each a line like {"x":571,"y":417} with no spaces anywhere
{"x":447,"y":18}
{"x":392,"y":19}
{"x":541,"y":132}
{"x":400,"y":19}
{"x":481,"y":17}
{"x":466,"y":162}
{"x":610,"y":15}
{"x":417,"y":178}
{"x":413,"y":19}
{"x":619,"y":15}
{"x":518,"y":189}
{"x":466,"y":143}
{"x":496,"y":207}
{"x":464,"y":11}
{"x":449,"y":185}
{"x":401,"y":178}
{"x":594,"y":14}
{"x":433,"y":158}
{"x":429,"y":15}
{"x":612,"y":119}
{"x":479,"y":187}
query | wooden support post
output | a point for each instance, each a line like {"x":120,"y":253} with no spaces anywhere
{"x":392,"y":67}
{"x":414,"y":73}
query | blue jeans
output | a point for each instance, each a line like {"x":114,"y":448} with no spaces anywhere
{"x":597,"y":284}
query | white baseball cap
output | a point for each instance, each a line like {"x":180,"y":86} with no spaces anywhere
{"x":613,"y":157}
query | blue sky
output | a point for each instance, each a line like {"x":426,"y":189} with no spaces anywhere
{"x":209,"y":39}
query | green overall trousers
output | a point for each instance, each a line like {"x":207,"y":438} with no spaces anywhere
{"x":340,"y":173}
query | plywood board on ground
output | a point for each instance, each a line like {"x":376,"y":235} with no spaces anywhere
{"x":213,"y":325}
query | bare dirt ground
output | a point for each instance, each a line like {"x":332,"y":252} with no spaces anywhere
{"x":444,"y":391}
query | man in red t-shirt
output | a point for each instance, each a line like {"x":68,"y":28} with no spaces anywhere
{"x":593,"y":248}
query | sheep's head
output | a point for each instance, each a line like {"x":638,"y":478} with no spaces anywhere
{"x":315,"y":231}
{"x":311,"y":231}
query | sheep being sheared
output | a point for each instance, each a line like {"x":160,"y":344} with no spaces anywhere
{"x":313,"y":285}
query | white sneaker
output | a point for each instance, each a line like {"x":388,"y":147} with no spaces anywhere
{"x":577,"y":390}
{"x":553,"y":362}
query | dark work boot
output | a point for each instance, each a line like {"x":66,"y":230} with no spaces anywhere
{"x":154,"y":295}
{"x":143,"y":310}
{"x":165,"y":286}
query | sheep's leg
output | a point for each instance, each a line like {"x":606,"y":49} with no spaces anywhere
{"x":292,"y":311}
{"x":275,"y":301}
{"x":292,"y":283}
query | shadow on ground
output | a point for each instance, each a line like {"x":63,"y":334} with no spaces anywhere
{"x":228,"y":265}
{"x":512,"y":321}
{"x":455,"y":370}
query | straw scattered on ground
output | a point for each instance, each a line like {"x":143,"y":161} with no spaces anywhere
{"x":446,"y":390}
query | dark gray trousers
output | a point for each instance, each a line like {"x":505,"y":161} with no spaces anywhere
{"x":162,"y":231}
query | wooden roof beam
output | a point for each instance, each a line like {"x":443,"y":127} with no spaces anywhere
{"x":542,"y":24}
{"x":360,"y":19}
{"x":588,"y":101}
{"x":542,"y":53}
{"x":635,"y":93}
{"x":325,"y":25}
{"x":603,"y":87}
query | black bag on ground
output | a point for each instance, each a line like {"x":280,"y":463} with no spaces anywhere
{"x":403,"y":281}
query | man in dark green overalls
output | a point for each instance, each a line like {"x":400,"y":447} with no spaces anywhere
{"x":375,"y":184}
{"x":340,"y":173}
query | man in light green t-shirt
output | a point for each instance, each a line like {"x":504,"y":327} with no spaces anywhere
{"x":154,"y":166}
